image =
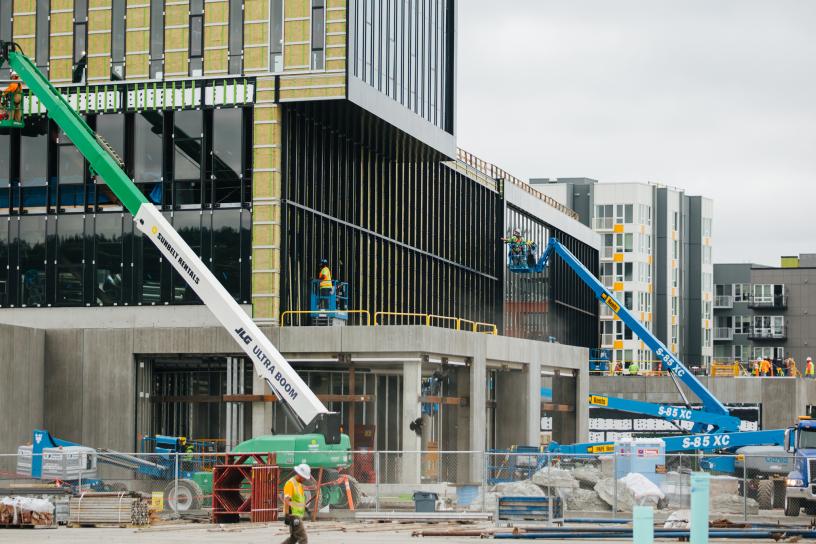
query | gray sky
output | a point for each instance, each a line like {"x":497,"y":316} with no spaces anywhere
{"x":716,"y":97}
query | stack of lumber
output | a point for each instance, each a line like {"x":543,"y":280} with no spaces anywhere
{"x":109,"y":509}
{"x":26,"y":512}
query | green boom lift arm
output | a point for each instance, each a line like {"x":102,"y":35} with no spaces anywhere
{"x":311,"y":414}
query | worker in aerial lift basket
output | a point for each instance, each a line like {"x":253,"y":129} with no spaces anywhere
{"x":294,"y":505}
{"x":12,"y":100}
{"x":325,"y":285}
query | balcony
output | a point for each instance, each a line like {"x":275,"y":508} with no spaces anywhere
{"x":776,"y":302}
{"x":603,"y":223}
{"x":768,"y":333}
{"x":723,"y":302}
{"x":723,"y":334}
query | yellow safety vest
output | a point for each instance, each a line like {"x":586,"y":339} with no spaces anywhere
{"x":325,"y":278}
{"x":297,"y":498}
{"x":809,"y":369}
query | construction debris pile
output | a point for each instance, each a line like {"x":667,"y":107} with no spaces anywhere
{"x":592,"y":488}
{"x":110,"y":509}
{"x":26,"y":512}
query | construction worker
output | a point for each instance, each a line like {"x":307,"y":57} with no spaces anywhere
{"x":809,"y":370}
{"x":520,"y":249}
{"x":325,"y":285}
{"x":13,"y":99}
{"x":633,"y":368}
{"x":294,"y":504}
{"x":765,"y":368}
{"x":755,"y":368}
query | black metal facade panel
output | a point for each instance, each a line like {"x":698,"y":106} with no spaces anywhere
{"x":408,"y":233}
{"x":554,"y":304}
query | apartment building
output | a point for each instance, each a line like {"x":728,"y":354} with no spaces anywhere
{"x":763,"y":311}
{"x":656,"y":255}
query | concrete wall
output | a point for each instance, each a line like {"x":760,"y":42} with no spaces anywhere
{"x":782,"y":399}
{"x":90,"y":394}
{"x":21,"y":385}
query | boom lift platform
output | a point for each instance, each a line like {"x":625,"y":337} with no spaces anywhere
{"x":310,"y":414}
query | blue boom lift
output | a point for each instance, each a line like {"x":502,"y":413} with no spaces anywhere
{"x":714,"y":428}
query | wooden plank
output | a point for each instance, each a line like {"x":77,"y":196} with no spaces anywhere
{"x":551,"y":407}
{"x":448,"y":401}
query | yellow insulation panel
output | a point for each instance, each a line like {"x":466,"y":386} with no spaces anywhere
{"x":62,"y":23}
{"x":137,"y":39}
{"x":266,"y":191}
{"x":216,"y":32}
{"x":176,"y":38}
{"x":61,"y":4}
{"x":312,"y":86}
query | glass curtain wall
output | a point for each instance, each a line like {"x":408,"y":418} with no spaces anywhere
{"x":65,"y":239}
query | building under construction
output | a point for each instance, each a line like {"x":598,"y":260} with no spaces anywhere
{"x":273,"y":134}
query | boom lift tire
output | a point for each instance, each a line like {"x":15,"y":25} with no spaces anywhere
{"x":793,"y":507}
{"x":779,"y":493}
{"x":764,"y":496}
{"x":810,"y":508}
{"x":189,"y":496}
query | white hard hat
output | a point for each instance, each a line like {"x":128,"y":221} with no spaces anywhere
{"x":809,"y":359}
{"x":304,"y":471}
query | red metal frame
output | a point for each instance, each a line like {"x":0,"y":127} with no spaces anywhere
{"x":246,"y":484}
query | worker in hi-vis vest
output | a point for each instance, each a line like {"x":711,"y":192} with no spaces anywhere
{"x":809,"y":370}
{"x":294,"y":505}
{"x":325,"y":285}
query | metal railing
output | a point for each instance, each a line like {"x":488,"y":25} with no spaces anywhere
{"x":723,"y":301}
{"x":495,"y":172}
{"x":768,"y":333}
{"x":723,"y":333}
{"x":464,"y":481}
{"x":429,"y":320}
{"x":770,"y":302}
{"x":324,"y":312}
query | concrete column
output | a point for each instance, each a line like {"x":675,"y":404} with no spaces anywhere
{"x":478,"y":413}
{"x":518,"y":406}
{"x":581,"y":404}
{"x":532,"y":375}
{"x":261,"y":411}
{"x":411,"y":410}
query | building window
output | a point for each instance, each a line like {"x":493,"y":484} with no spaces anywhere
{"x":706,"y":226}
{"x":34,"y":163}
{"x":43,"y":32}
{"x":236,"y":36}
{"x":188,"y":143}
{"x":148,"y":154}
{"x":108,"y":265}
{"x":276,"y":35}
{"x":31,"y":246}
{"x":318,"y":34}
{"x":70,"y":258}
{"x":118,"y":40}
{"x":111,"y":128}
{"x":80,"y":59}
{"x":227,"y":156}
{"x":157,"y":39}
{"x":196,"y":37}
{"x":5,"y":29}
{"x":5,"y":178}
{"x":71,"y":175}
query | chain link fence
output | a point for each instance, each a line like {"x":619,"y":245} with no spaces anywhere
{"x":589,"y":485}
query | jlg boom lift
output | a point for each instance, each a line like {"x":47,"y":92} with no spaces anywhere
{"x":318,"y":425}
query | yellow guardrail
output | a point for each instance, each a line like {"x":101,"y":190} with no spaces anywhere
{"x":459,"y":323}
{"x":366,"y":313}
{"x":377,"y":315}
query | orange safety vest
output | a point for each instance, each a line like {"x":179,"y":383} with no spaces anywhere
{"x":325,"y":278}
{"x":13,"y":87}
{"x":765,"y":366}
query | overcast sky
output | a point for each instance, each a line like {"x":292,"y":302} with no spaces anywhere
{"x":716,"y":97}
